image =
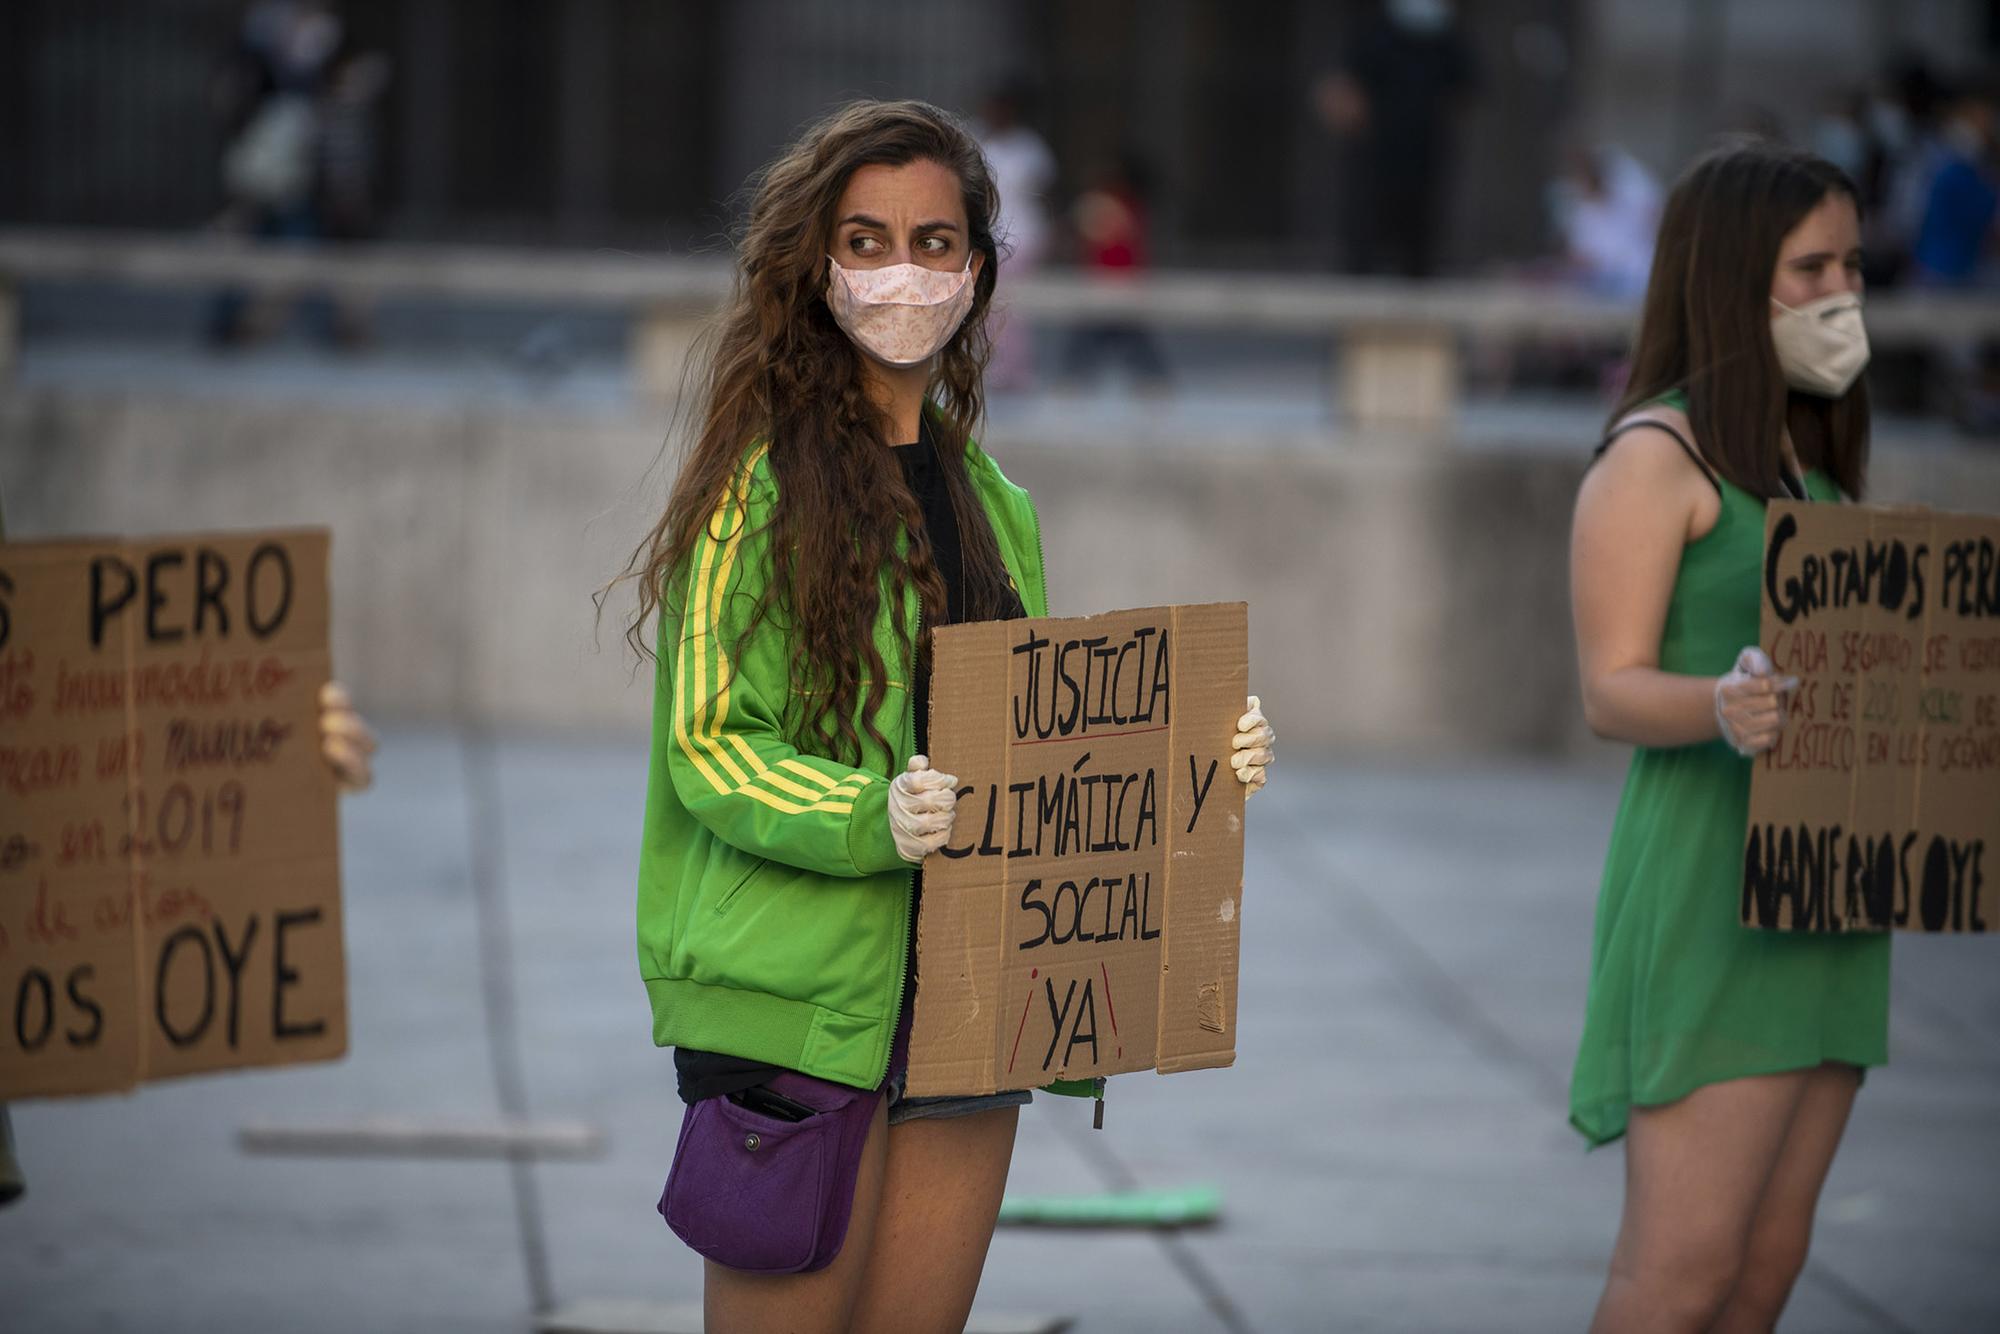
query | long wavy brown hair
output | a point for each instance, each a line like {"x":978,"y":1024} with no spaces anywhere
{"x":777,"y":368}
{"x":1706,"y":325}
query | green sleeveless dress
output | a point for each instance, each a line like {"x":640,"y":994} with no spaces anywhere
{"x":1681,"y":994}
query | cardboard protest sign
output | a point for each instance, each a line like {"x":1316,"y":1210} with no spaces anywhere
{"x":1880,"y":805}
{"x":1083,"y":920}
{"x":169,"y":868}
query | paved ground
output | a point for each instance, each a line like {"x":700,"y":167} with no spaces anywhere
{"x":1391,"y":1143}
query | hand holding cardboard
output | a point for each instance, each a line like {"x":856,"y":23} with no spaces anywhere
{"x":1251,"y":750}
{"x":345,"y":740}
{"x":1749,"y":703}
{"x":921,"y":804}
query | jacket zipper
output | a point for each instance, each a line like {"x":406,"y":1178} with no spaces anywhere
{"x":1041,"y":557}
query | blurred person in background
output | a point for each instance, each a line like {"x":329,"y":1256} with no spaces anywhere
{"x":1606,"y":207}
{"x":832,"y":508}
{"x":1395,"y":102}
{"x":1954,"y":236}
{"x":349,"y":158}
{"x":1954,"y":244}
{"x":1727,"y":1057}
{"x":1603,"y":211}
{"x":1024,"y":171}
{"x":1111,"y":223}
{"x":1843,"y":134}
{"x":349,"y":147}
{"x":266,"y":96}
{"x":1905,"y":122}
{"x":1891,"y":127}
{"x":299,"y":164}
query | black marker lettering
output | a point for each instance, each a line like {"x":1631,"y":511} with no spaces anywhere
{"x":1199,"y":786}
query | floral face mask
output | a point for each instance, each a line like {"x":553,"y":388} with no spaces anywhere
{"x":900,"y":314}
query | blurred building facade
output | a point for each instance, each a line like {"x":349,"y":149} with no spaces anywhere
{"x":634,"y":122}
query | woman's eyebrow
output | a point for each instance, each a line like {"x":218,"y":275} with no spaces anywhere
{"x":1815,"y":257}
{"x":864,"y":220}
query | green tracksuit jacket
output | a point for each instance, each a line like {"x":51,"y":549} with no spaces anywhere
{"x":774,"y":910}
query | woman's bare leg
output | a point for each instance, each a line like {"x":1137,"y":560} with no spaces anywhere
{"x":1695,"y":1172}
{"x":1782,"y":1230}
{"x":940,"y":1199}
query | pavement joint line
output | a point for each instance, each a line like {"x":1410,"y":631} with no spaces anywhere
{"x":1431,"y":979}
{"x":1855,"y":1299}
{"x":399,"y":1137}
{"x":1463,"y":1014}
{"x":1908,"y":993}
{"x":1336,"y":1256}
{"x":1111,"y":1169}
{"x":486,"y":862}
{"x":599,"y":1315}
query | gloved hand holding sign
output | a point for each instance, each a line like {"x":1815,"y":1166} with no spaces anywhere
{"x":1250,"y":754}
{"x":1750,"y":703}
{"x":921,"y":804}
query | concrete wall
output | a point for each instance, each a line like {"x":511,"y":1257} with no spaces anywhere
{"x":465,"y":546}
{"x":1405,"y":596}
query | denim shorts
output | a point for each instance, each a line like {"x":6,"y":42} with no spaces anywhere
{"x":903,"y":1109}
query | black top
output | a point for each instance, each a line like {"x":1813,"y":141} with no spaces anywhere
{"x":703,"y":1074}
{"x":925,"y":476}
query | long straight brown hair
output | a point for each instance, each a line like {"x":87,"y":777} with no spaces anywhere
{"x":779,"y":369}
{"x":1706,"y":325}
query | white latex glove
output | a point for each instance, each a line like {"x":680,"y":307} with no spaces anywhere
{"x":1750,"y":703}
{"x":1250,"y":752}
{"x":921,"y":804}
{"x":344,"y":739}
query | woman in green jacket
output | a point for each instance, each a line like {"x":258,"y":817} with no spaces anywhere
{"x":832,"y":507}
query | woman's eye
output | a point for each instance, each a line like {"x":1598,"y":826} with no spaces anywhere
{"x":864,"y":245}
{"x":934,"y":245}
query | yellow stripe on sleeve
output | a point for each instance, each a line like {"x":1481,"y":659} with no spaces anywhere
{"x":702,"y":742}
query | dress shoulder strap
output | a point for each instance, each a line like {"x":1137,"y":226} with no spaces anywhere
{"x":1687,"y":446}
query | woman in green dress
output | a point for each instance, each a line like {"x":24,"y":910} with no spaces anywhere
{"x":1727,"y":1057}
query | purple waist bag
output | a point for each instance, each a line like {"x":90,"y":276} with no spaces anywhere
{"x":765,"y":1195}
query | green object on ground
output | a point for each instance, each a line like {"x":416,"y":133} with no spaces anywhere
{"x":1183,"y":1206}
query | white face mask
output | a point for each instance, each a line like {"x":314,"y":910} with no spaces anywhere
{"x":900,"y":314}
{"x":1821,"y":345}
